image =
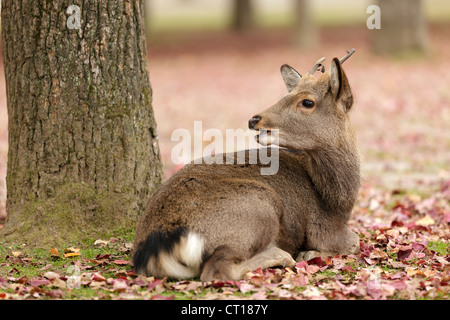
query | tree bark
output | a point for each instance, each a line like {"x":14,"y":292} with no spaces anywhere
{"x":403,"y":27}
{"x":83,"y":150}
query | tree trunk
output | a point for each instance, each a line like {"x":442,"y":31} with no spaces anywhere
{"x":242,"y":15}
{"x":403,"y":27}
{"x":305,"y":29}
{"x":83,"y":150}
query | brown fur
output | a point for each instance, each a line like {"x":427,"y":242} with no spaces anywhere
{"x":248,"y":220}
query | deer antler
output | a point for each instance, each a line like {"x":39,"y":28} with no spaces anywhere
{"x":317,"y":66}
{"x":348,"y":55}
{"x":321,"y":67}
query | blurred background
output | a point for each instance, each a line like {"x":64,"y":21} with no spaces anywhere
{"x":218,"y":61}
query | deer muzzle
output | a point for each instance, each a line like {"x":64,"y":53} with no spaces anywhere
{"x":253,"y":122}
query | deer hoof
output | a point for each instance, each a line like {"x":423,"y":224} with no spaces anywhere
{"x":307,"y":255}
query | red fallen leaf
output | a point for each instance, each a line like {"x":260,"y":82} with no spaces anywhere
{"x":98,"y":277}
{"x":365,"y":247}
{"x":397,"y":223}
{"x":301,"y":265}
{"x":121,"y":274}
{"x":104,"y":256}
{"x":131,"y":273}
{"x":399,"y":284}
{"x":2,"y":295}
{"x":348,"y":269}
{"x":404,"y":254}
{"x":246,"y":287}
{"x":220,"y":284}
{"x":39,"y":282}
{"x":416,"y":246}
{"x":121,"y":262}
{"x":446,"y":217}
{"x":422,"y":262}
{"x":120,"y":286}
{"x":57,"y":293}
{"x":370,"y":261}
{"x":140,"y":282}
{"x":299,"y":280}
{"x":317,"y":261}
{"x":153,"y":284}
{"x":257,"y":280}
{"x":312,"y":269}
{"x":47,"y":266}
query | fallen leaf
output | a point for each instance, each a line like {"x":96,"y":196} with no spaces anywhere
{"x":54,"y":253}
{"x":161,"y":297}
{"x":47,"y":266}
{"x":378,"y":254}
{"x":120,"y":286}
{"x":246,"y":287}
{"x":71,"y":252}
{"x":101,"y":242}
{"x":17,"y":253}
{"x":98,"y":277}
{"x":403,"y":254}
{"x":121,"y":262}
{"x":72,"y":249}
{"x":51,"y":275}
{"x":425,"y":221}
{"x":39,"y":282}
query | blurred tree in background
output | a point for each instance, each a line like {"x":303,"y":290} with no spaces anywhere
{"x":242,"y":15}
{"x":305,"y":28}
{"x":403,"y":27}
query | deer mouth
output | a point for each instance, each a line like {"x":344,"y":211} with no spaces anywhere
{"x":267,"y":137}
{"x":261,"y":133}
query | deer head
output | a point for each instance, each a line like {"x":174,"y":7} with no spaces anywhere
{"x":314,"y":114}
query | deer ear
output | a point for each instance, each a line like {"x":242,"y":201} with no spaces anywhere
{"x":290,"y":76}
{"x":340,"y":86}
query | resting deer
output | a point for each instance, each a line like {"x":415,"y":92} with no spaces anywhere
{"x":222,"y":221}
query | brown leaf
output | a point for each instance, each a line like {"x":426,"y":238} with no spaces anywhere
{"x":54,"y":252}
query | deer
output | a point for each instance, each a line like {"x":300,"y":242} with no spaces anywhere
{"x":221,"y":221}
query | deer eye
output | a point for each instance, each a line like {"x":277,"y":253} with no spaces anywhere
{"x":306,"y":103}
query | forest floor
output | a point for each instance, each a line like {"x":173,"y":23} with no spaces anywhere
{"x":401,"y":116}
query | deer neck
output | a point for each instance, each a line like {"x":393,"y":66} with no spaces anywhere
{"x":335,"y":173}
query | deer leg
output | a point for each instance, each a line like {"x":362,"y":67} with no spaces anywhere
{"x":343,"y":241}
{"x":308,"y":255}
{"x":224,"y":263}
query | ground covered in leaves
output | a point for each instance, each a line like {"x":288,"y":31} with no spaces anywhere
{"x":404,"y":255}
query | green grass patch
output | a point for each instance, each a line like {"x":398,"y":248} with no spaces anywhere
{"x":440,"y":247}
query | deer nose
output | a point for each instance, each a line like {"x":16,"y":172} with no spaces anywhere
{"x":253,"y":121}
